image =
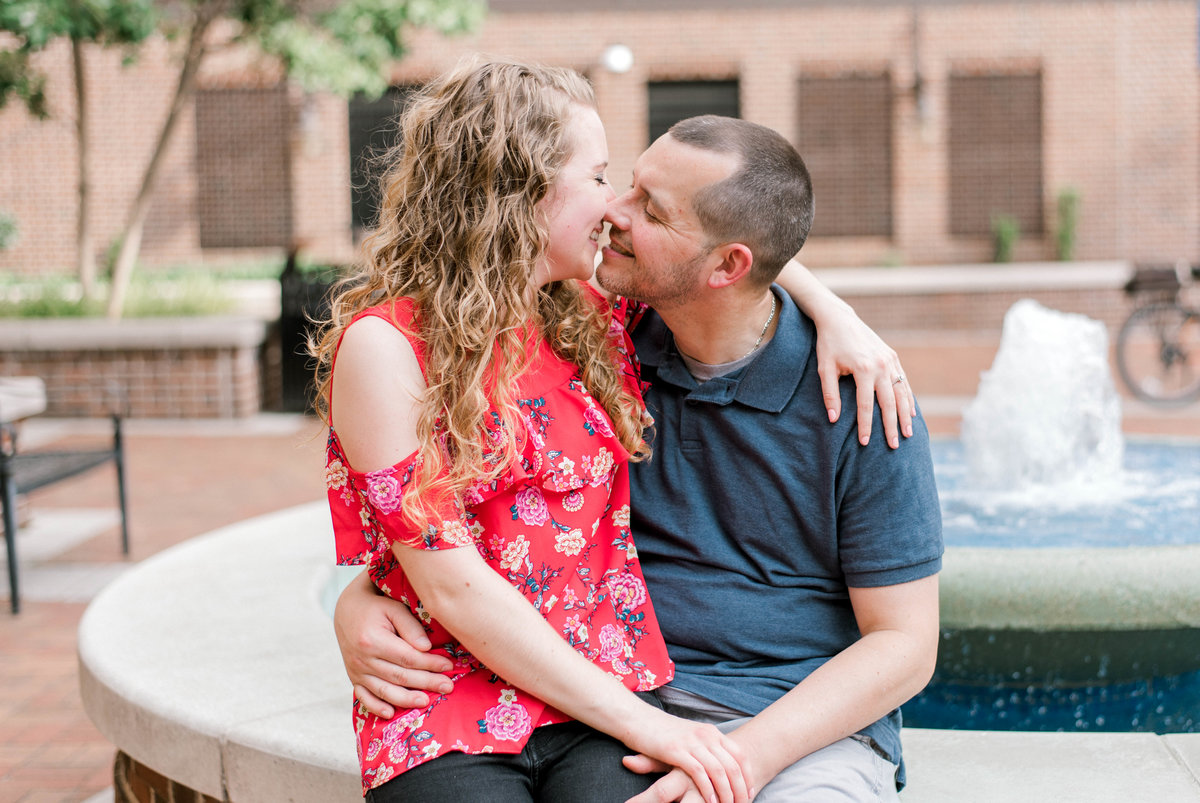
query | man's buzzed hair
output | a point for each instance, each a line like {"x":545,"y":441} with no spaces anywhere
{"x":767,"y":204}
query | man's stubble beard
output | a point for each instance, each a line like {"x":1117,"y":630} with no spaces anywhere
{"x":678,"y":286}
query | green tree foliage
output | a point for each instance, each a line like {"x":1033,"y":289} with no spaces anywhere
{"x":346,"y":48}
{"x":19,"y":79}
{"x":36,"y":23}
{"x":340,"y":47}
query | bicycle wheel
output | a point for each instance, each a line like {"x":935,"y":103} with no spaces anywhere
{"x":1158,"y":353}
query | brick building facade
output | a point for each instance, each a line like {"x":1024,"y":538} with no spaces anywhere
{"x":920,"y":122}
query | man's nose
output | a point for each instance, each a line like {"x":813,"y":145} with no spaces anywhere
{"x":617,"y":213}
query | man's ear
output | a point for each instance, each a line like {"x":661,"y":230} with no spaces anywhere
{"x":736,"y":262}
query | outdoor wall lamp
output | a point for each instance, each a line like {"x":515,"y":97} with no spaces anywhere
{"x":617,"y":59}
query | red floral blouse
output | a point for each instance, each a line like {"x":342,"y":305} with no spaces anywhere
{"x":556,"y":526}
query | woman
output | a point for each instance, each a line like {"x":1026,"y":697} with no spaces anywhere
{"x":482,"y":409}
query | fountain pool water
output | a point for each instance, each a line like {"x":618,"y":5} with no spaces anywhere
{"x":1074,"y":603}
{"x":1154,"y":501}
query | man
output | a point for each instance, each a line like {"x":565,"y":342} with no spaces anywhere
{"x":793,"y":569}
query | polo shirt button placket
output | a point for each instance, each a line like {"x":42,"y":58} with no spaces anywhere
{"x":689,"y":432}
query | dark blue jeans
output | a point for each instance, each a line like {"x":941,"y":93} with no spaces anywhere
{"x":565,"y":763}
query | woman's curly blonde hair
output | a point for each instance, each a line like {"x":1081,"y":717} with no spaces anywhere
{"x":459,"y":232}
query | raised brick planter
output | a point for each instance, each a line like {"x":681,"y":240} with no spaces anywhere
{"x":974,"y":298}
{"x":137,"y":783}
{"x":148,"y":368}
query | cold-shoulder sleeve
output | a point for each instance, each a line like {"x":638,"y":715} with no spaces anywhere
{"x":365,"y":508}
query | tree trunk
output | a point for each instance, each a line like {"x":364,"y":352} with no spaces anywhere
{"x":86,"y":254}
{"x":131,"y":238}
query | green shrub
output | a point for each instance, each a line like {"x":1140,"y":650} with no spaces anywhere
{"x":8,"y":231}
{"x":149,"y":296}
{"x":1068,"y":218}
{"x":1005,"y":233}
{"x":50,"y":297}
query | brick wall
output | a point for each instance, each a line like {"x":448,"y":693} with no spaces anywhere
{"x":1120,"y":119}
{"x":1120,"y":87}
{"x":144,"y":369}
{"x":154,"y":383}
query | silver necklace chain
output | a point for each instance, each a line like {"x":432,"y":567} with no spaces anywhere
{"x":763,"y":333}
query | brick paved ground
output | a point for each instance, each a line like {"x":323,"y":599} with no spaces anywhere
{"x":188,"y":478}
{"x":201,"y":477}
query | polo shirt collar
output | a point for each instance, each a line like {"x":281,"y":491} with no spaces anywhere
{"x":765,"y":384}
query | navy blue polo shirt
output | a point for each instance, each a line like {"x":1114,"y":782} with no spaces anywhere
{"x":755,"y":515}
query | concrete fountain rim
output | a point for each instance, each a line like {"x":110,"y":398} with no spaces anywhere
{"x":177,"y":673}
{"x":1073,"y":588}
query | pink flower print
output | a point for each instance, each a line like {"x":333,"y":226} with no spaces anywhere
{"x":394,"y":731}
{"x":384,"y":773}
{"x":335,"y":474}
{"x":612,"y":643}
{"x":570,"y":599}
{"x":563,"y":477}
{"x":514,"y":554}
{"x":383,"y":490}
{"x":597,"y":420}
{"x":495,"y":434}
{"x":575,"y":626}
{"x":600,"y":467}
{"x":620,"y":517}
{"x":531,"y":507}
{"x":573,"y":502}
{"x":534,"y":431}
{"x":373,"y":749}
{"x":397,"y":752}
{"x":569,"y":544}
{"x":620,"y":667}
{"x":473,"y":495}
{"x":508,"y":722}
{"x":627,"y":590}
{"x":457,"y":534}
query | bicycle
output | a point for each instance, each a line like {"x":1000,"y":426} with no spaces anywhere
{"x":1158,"y":347}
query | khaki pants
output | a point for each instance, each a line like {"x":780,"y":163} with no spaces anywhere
{"x":848,"y":771}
